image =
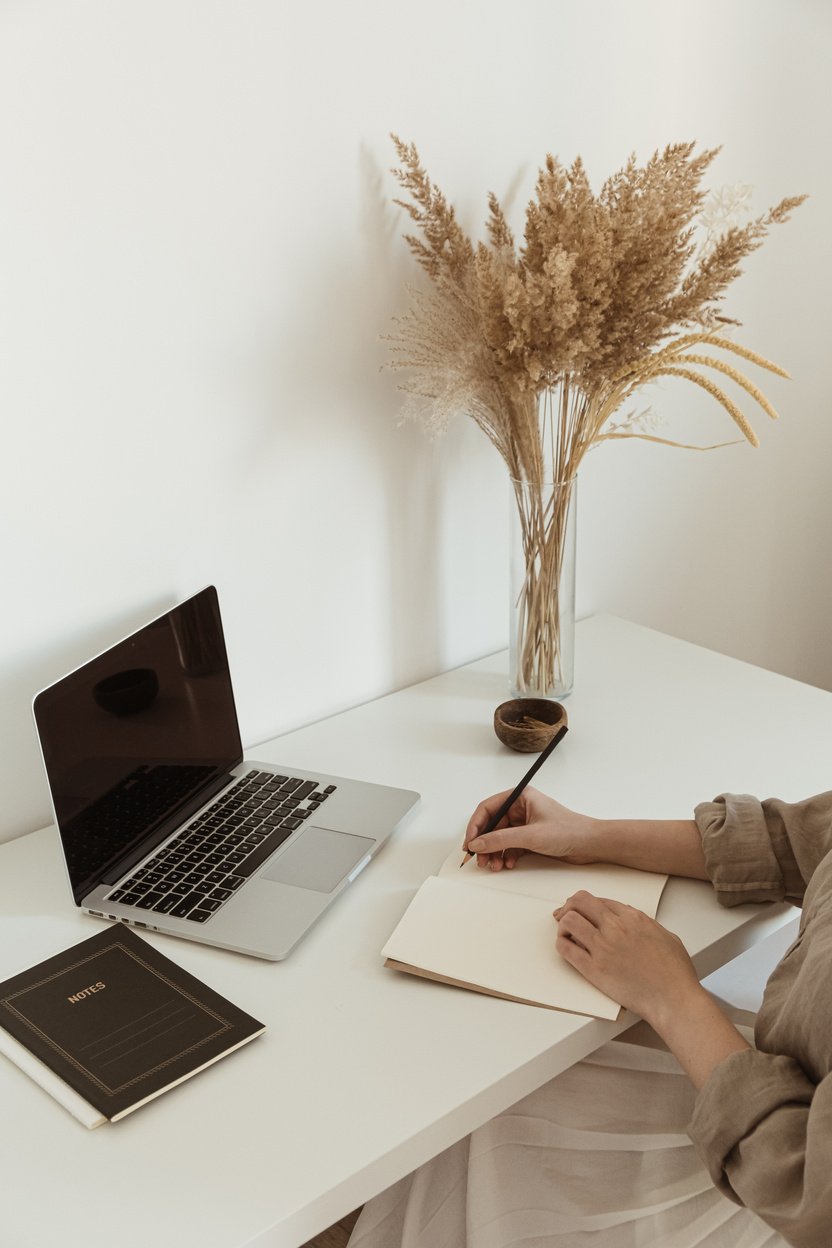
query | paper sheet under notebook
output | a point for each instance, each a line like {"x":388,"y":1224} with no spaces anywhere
{"x":494,"y":932}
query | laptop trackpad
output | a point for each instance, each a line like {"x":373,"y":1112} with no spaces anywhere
{"x":319,"y":859}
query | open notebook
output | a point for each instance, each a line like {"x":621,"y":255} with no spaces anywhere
{"x":493,"y":931}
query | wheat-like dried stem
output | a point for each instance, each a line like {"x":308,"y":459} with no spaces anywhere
{"x":736,"y":376}
{"x":715,"y":392}
{"x":650,"y":437}
{"x":689,"y":340}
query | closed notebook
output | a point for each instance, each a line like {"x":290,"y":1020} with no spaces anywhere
{"x":111,"y":1023}
{"x":494,"y":932}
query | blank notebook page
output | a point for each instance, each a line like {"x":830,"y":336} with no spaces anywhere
{"x":495,"y":931}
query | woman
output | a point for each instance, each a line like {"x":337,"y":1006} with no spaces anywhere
{"x":602,"y":1156}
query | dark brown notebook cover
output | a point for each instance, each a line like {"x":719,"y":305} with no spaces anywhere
{"x":118,"y":1021}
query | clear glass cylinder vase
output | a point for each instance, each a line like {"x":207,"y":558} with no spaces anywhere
{"x":542,"y":587}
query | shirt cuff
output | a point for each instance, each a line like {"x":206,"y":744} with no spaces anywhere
{"x":739,"y":857}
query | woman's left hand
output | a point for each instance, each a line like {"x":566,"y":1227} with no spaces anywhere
{"x":626,"y":954}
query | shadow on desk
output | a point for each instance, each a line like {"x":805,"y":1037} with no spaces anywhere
{"x":743,"y":980}
{"x":335,"y":1236}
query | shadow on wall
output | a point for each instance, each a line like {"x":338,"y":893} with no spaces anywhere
{"x":420,"y":474}
{"x":412,"y":495}
{"x":317,"y":383}
{"x":26,"y":803}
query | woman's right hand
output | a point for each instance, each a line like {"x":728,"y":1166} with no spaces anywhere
{"x":534,"y":823}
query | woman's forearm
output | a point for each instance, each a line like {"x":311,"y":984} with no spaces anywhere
{"x":672,"y":846}
{"x":696,"y":1031}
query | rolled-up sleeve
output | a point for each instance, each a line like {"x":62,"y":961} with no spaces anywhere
{"x":762,"y":1122}
{"x":763,"y":850}
{"x":764,"y":1130}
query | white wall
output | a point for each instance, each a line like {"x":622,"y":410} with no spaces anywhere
{"x":198,"y":253}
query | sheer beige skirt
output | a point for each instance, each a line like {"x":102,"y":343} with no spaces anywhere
{"x":596,"y":1158}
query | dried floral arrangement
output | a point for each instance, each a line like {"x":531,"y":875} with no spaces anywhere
{"x":543,"y":343}
{"x":603,"y":296}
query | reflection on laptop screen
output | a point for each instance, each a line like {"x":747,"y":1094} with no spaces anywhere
{"x":138,"y":737}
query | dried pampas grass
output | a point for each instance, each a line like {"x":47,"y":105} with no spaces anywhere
{"x":544,"y":342}
{"x":599,"y":299}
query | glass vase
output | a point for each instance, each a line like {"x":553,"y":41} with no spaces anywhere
{"x":542,"y":586}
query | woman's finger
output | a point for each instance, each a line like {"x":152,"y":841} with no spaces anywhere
{"x":494,"y":842}
{"x":574,"y":926}
{"x":573,"y":953}
{"x":586,"y":904}
{"x":483,"y":813}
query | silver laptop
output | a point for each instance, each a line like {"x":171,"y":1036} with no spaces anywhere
{"x":162,"y":822}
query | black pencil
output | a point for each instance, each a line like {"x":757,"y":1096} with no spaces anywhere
{"x":515,"y":793}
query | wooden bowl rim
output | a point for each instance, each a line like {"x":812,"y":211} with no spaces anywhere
{"x":533,"y":708}
{"x":525,"y":737}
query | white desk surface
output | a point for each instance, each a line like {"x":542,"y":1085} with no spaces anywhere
{"x":365,"y":1073}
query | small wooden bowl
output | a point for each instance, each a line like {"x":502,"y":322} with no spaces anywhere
{"x":528,"y":724}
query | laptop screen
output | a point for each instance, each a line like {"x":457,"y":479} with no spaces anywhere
{"x":137,"y":739}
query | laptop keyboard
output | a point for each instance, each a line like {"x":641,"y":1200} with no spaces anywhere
{"x":200,"y":869}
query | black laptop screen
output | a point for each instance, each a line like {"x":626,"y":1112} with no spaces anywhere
{"x":136,"y":739}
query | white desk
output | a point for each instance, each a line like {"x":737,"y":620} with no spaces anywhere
{"x":364,"y":1073}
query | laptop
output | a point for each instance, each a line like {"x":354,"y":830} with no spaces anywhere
{"x":165,"y":826}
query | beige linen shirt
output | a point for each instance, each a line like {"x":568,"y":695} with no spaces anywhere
{"x":763,"y":1121}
